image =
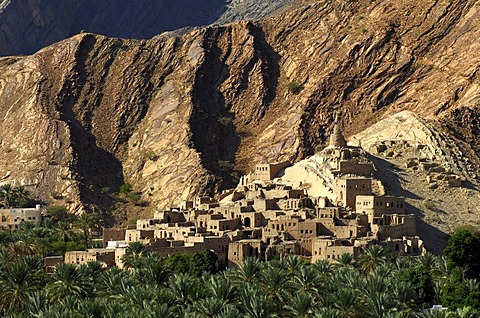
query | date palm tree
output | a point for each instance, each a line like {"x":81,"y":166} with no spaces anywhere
{"x":404,"y":293}
{"x":345,"y":260}
{"x":15,"y":285}
{"x":181,"y":286}
{"x":443,"y":270}
{"x":134,"y":251}
{"x":20,"y":248}
{"x":63,"y":231}
{"x":37,"y":303}
{"x":229,"y":311}
{"x":248,"y":271}
{"x":350,"y":278}
{"x":428,"y":261}
{"x":85,"y":223}
{"x":307,"y":280}
{"x":293,"y":263}
{"x":158,"y":311}
{"x":152,"y":271}
{"x":114,"y":283}
{"x":301,"y":305}
{"x":434,"y":314}
{"x":208,"y":307}
{"x":323,"y":268}
{"x":275,"y":283}
{"x":93,"y":308}
{"x":373,"y":256}
{"x":20,"y":195}
{"x":6,"y":258}
{"x":220,"y":288}
{"x":254,"y":303}
{"x":69,"y":280}
{"x":373,"y":284}
{"x":326,"y":312}
{"x":466,"y":312}
{"x":378,"y":304}
{"x":346,"y":301}
{"x":7,"y":195}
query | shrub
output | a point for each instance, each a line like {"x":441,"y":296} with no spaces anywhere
{"x":125,"y":188}
{"x":294,"y":87}
{"x":429,"y":205}
{"x":60,"y":248}
{"x":149,"y":154}
{"x":55,"y":195}
{"x":225,"y":164}
{"x":55,"y":209}
{"x":462,"y":250}
{"x":224,"y":120}
{"x":244,"y":133}
{"x":106,"y":190}
{"x":133,"y":197}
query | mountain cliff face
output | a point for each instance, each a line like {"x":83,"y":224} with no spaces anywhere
{"x":27,"y":26}
{"x":181,"y":115}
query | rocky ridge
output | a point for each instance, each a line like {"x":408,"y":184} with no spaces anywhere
{"x":415,"y":161}
{"x":26,"y":27}
{"x":182,"y":115}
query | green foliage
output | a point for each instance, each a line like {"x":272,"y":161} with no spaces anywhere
{"x":127,"y":191}
{"x":60,"y":248}
{"x":106,"y":190}
{"x":429,"y":205}
{"x":179,"y":263}
{"x":294,"y":87}
{"x":458,"y":294}
{"x":69,"y":280}
{"x":191,"y":285}
{"x":59,"y":213}
{"x":11,"y":196}
{"x":225,"y":120}
{"x":421,"y":281}
{"x":462,"y":250}
{"x":225,"y":164}
{"x":194,"y":264}
{"x":134,"y":197}
{"x":125,"y":188}
{"x":204,"y":262}
{"x":149,"y":154}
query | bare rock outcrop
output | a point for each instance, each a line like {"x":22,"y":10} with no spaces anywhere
{"x":180,"y":115}
{"x":27,"y":26}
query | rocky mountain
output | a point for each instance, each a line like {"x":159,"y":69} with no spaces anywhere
{"x":413,"y":159}
{"x":25,"y":27}
{"x":179,"y":115}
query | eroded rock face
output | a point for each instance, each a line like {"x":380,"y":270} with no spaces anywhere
{"x":174,"y":115}
{"x":25,"y":27}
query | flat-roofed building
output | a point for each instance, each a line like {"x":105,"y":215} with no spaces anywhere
{"x":11,"y":218}
{"x":375,"y":206}
{"x":101,"y":255}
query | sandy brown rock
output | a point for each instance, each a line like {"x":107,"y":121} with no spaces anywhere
{"x":175,"y":115}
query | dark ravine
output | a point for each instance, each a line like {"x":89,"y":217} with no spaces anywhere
{"x":177,"y":116}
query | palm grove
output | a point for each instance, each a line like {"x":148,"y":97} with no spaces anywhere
{"x":378,"y":284}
